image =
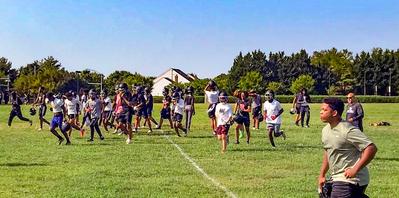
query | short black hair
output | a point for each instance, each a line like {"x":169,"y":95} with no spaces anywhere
{"x":335,"y":104}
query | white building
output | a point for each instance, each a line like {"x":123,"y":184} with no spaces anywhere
{"x":168,"y":77}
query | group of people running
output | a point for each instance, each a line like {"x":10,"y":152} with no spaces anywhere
{"x":98,"y":109}
{"x":131,"y":105}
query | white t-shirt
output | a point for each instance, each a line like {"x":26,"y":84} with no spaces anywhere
{"x":71,"y":106}
{"x":212,"y":96}
{"x":272,"y":109}
{"x":179,"y":107}
{"x":108,"y":107}
{"x":56,"y":104}
{"x":223,"y":113}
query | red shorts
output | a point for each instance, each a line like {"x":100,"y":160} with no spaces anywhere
{"x":222,"y":130}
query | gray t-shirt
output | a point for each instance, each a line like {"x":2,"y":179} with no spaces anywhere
{"x":355,"y":111}
{"x":344,"y":145}
{"x":95,"y":108}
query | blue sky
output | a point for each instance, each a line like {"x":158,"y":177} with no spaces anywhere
{"x":199,"y":36}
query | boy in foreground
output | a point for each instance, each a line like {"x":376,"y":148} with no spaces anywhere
{"x":224,"y":115}
{"x":346,"y":150}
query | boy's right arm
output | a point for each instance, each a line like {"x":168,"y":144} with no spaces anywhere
{"x":323,"y":170}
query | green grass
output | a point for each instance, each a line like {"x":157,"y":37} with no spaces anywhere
{"x":33,"y":165}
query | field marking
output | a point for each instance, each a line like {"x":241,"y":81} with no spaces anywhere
{"x":199,"y":169}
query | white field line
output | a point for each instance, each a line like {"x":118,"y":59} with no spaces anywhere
{"x":199,"y":169}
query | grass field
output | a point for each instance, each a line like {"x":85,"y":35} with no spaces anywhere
{"x":33,"y":165}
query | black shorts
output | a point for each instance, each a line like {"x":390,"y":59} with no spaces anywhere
{"x":165,"y":113}
{"x":256,"y":112}
{"x":142,"y":113}
{"x":178,"y":117}
{"x":211,"y":110}
{"x":122,"y":117}
{"x":149,"y":111}
{"x":243,"y":120}
{"x":106,"y":114}
{"x":130,"y":114}
{"x":42,"y":110}
{"x":71,"y":116}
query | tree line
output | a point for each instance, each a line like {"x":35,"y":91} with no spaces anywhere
{"x":329,"y":72}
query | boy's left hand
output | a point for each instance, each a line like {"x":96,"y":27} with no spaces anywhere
{"x":350,"y":172}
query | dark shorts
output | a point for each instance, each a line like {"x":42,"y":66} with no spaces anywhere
{"x":177,"y":117}
{"x":149,"y":111}
{"x":130,"y":114}
{"x":42,"y":111}
{"x":165,"y":113}
{"x":347,"y":190}
{"x":71,"y":116}
{"x":298,"y":109}
{"x":256,"y":112}
{"x":122,"y":117}
{"x":243,"y":120}
{"x":106,"y":114}
{"x":304,"y":109}
{"x":142,"y":113}
{"x":57,"y":121}
{"x":211,"y":110}
{"x":222,"y":130}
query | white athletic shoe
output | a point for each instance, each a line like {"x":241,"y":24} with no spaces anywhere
{"x":128,"y":141}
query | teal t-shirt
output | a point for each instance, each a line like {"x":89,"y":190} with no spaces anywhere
{"x":344,"y":145}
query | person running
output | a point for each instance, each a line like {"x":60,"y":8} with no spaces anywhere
{"x":347,"y":152}
{"x":189,"y":107}
{"x":304,"y":100}
{"x":71,"y":104}
{"x":86,"y":115}
{"x":272,"y":114}
{"x":178,"y":108}
{"x":149,"y":101}
{"x":354,"y":113}
{"x":93,"y":106}
{"x":166,"y":112}
{"x":223,"y":115}
{"x":16,"y":103}
{"x":243,"y":108}
{"x":212,"y":94}
{"x":296,"y":108}
{"x":122,"y":112}
{"x":141,"y":109}
{"x":106,"y":109}
{"x":256,"y":108}
{"x":41,"y":102}
{"x":59,"y":110}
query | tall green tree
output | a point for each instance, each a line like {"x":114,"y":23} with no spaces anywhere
{"x":303,"y":81}
{"x":252,"y":80}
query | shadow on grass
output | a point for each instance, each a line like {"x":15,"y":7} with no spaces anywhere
{"x":19,"y":164}
{"x":305,"y":146}
{"x":394,"y":159}
{"x":252,"y":149}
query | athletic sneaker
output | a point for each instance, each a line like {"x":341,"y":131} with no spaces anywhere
{"x":68,"y":143}
{"x":156,"y":127}
{"x":307,"y":126}
{"x":60,"y":141}
{"x":128,"y":141}
{"x":102,"y":138}
{"x":149,"y":131}
{"x":90,"y":140}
